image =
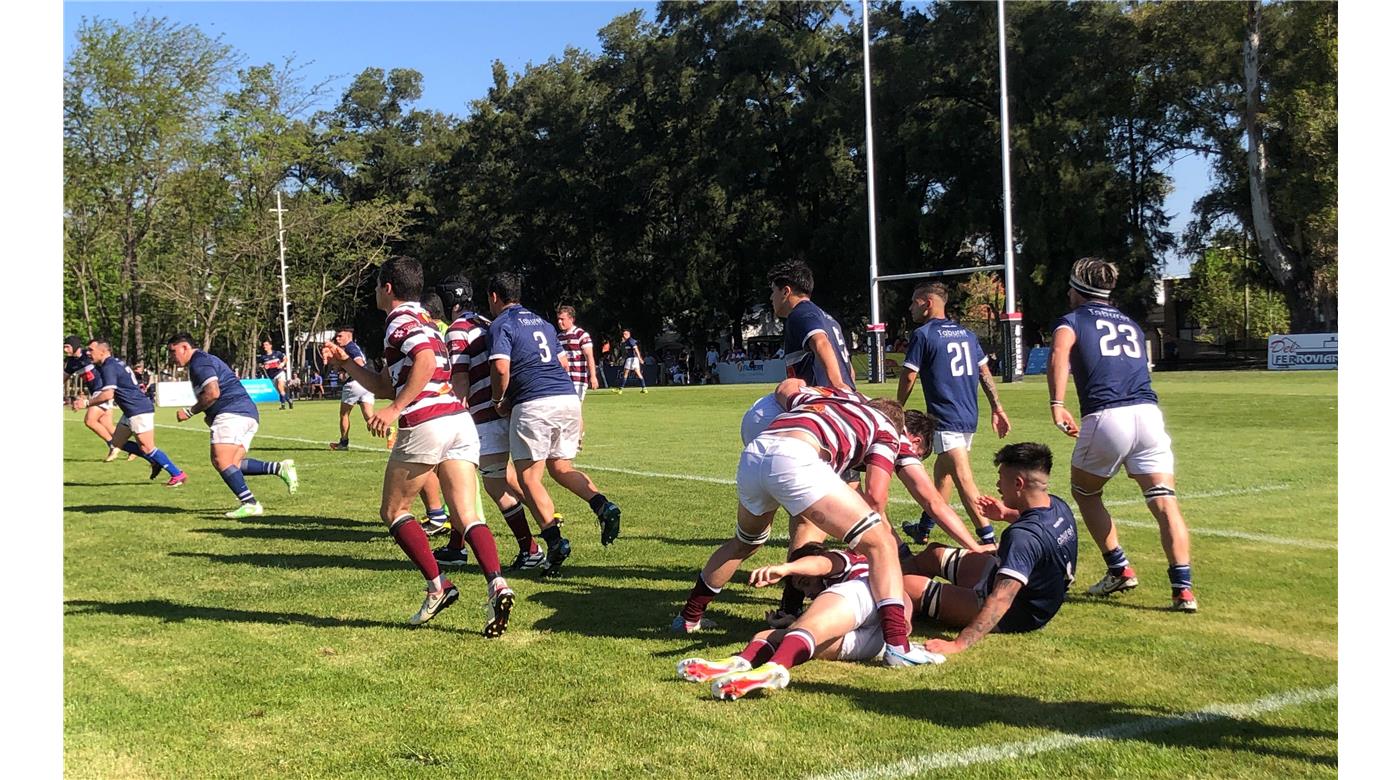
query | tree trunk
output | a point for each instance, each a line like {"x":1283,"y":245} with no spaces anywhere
{"x":1281,"y":260}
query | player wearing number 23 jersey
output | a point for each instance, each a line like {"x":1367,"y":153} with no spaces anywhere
{"x":1110,"y":365}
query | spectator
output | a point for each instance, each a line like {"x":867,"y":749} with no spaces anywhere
{"x":315,"y":386}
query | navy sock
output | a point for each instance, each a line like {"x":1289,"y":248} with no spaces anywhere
{"x":551,"y":535}
{"x":160,"y":458}
{"x":1116,"y":560}
{"x":597,"y":502}
{"x":439,"y":514}
{"x":925,"y":523}
{"x":1180,"y":577}
{"x":986,"y":534}
{"x":258,"y":468}
{"x":233,"y":477}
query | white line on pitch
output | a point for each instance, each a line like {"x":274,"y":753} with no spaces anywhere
{"x":985,"y":754}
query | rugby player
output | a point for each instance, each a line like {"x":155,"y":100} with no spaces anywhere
{"x":435,"y":436}
{"x":841,"y":625}
{"x":794,"y":464}
{"x":631,"y":361}
{"x":352,"y":393}
{"x":138,"y":413}
{"x":273,"y":364}
{"x":232,"y":418}
{"x":577,"y":348}
{"x":468,"y":343}
{"x":97,"y":417}
{"x":950,"y":363}
{"x":1107,"y":353}
{"x":1023,"y":585}
{"x":529,"y":382}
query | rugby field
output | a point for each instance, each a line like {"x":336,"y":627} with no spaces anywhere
{"x":197,"y":646}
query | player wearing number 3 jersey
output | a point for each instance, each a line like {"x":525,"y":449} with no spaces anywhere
{"x":1122,"y":426}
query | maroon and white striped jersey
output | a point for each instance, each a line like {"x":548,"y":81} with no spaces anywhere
{"x":856,"y":566}
{"x":411,"y":335}
{"x":468,"y":342}
{"x":573,"y":342}
{"x":852,"y":434}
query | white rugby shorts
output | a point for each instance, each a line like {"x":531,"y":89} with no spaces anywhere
{"x":546,"y":428}
{"x":783,"y":471}
{"x":105,"y":405}
{"x":580,"y":389}
{"x":867,"y":639}
{"x":450,"y":437}
{"x":1133,"y":436}
{"x":229,"y":428}
{"x":352,"y":393}
{"x":495,"y":436}
{"x":758,"y":417}
{"x":631,"y":364}
{"x":951,"y":440}
{"x":139,"y":423}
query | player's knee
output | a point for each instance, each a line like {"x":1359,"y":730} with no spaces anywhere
{"x":931,"y":601}
{"x":394,"y":519}
{"x":857,"y":533}
{"x":952,"y":561}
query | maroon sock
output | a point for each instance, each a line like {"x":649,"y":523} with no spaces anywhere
{"x":484,"y":548}
{"x":758,"y":652}
{"x":457,"y":540}
{"x":700,"y":597}
{"x":414,"y":542}
{"x":797,"y":647}
{"x":520,"y":526}
{"x":892,"y":624}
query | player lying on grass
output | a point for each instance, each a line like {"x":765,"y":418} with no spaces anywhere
{"x":1023,"y":585}
{"x":794,"y":464}
{"x":909,"y":467}
{"x":841,"y":625}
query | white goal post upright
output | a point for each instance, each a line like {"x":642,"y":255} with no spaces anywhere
{"x":282,"y":261}
{"x":1013,"y":360}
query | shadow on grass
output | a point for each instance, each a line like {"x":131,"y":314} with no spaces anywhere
{"x":1099,"y":601}
{"x":174,"y":612}
{"x":710,"y":544}
{"x":138,"y":510}
{"x":1100,"y":720}
{"x":296,"y":534}
{"x":110,"y":484}
{"x":310,"y":520}
{"x":305,"y":561}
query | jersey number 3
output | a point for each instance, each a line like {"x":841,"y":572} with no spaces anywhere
{"x":544,"y":347}
{"x":1109,"y":345}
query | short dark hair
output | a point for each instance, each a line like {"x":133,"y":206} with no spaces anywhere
{"x":806,"y":550}
{"x":346,"y":328}
{"x":433,"y":304}
{"x":1025,"y":456}
{"x":100,"y":340}
{"x":506,"y":285}
{"x":182,"y":336}
{"x":891,"y":410}
{"x":794,"y":274}
{"x":405,"y":275}
{"x":74,"y":342}
{"x":937,"y":289}
{"x":567,"y":309}
{"x":917,"y":423}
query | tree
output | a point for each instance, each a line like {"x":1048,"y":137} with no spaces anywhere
{"x":1229,"y":299}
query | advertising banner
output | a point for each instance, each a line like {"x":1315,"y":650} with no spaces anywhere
{"x":1303,"y":352}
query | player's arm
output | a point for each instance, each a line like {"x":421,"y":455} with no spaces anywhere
{"x":500,"y":382}
{"x":1058,"y":377}
{"x":378,"y":383}
{"x":205,"y":397}
{"x":103,"y":396}
{"x":829,"y":562}
{"x":986,"y":619}
{"x":826,"y":356}
{"x":785,"y":391}
{"x":921,"y":487}
{"x":906,"y":384}
{"x":1000,"y":422}
{"x":877,"y":488}
{"x":592,"y":366}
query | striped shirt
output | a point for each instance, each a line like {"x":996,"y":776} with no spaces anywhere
{"x":573,"y":342}
{"x":409,"y":335}
{"x":907,"y":456}
{"x":856,"y":566}
{"x":850,"y":433}
{"x":468,"y":343}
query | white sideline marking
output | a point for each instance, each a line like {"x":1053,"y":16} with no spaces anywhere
{"x":985,"y":754}
{"x":1261,"y":538}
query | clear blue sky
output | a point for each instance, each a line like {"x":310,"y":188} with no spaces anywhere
{"x":451,"y":43}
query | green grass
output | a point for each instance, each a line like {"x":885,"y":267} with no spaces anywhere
{"x":197,"y":646}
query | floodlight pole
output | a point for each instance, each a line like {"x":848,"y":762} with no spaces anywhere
{"x":282,"y":261}
{"x":875,"y":338}
{"x":1011,"y":361}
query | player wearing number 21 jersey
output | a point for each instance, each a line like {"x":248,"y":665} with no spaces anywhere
{"x":1122,"y":426}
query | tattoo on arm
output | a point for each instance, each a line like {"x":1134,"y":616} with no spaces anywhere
{"x":992,"y":611}
{"x":989,"y":386}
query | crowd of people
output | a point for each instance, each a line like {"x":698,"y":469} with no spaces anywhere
{"x":498,"y":394}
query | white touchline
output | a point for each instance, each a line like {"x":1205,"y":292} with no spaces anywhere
{"x":984,"y":754}
{"x":205,"y":432}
